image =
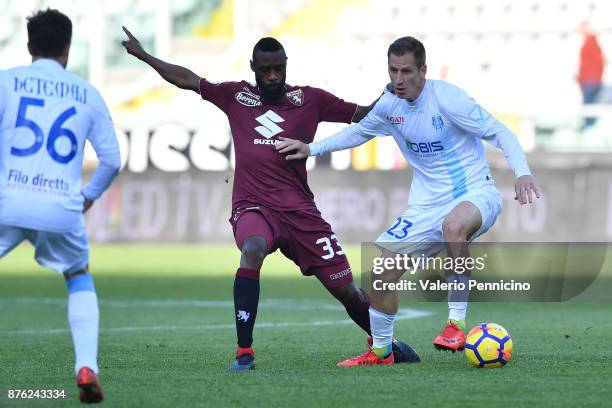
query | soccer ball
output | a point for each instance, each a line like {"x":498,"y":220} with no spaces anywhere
{"x":488,"y":345}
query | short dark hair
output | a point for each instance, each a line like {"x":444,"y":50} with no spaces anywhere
{"x":407,"y":45}
{"x":49,"y":32}
{"x":268,"y":44}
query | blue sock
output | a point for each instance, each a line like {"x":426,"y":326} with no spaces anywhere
{"x":81,"y":282}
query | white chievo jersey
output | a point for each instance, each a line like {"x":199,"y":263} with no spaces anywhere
{"x":46,"y":114}
{"x":440,"y":134}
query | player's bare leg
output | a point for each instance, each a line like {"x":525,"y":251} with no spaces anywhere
{"x":463,"y":221}
{"x":386,"y":301}
{"x":355,"y":301}
{"x":253,"y":252}
{"x":246,"y":299}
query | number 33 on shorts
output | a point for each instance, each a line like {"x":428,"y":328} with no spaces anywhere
{"x":328,"y":249}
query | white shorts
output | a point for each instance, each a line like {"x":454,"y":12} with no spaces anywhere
{"x":64,"y":253}
{"x":417,"y":232}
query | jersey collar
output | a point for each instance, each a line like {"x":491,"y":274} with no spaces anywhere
{"x":420,"y":97}
{"x":47,"y":63}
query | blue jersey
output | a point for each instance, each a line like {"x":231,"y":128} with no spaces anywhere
{"x":441,"y":135}
{"x":46,"y":114}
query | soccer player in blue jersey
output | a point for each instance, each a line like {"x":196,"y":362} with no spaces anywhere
{"x":46,"y":114}
{"x":453,"y":199}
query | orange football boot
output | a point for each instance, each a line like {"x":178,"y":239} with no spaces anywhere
{"x":366,"y":359}
{"x":245,"y":359}
{"x":451,"y":338}
{"x":90,"y":389}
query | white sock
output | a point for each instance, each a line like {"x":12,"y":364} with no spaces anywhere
{"x":457,"y":310}
{"x":458,"y":299}
{"x":84,"y":317}
{"x":381,"y":325}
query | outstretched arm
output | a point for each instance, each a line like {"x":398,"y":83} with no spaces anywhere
{"x":175,"y":74}
{"x":352,"y":136}
{"x":362,"y":111}
{"x":347,"y":138}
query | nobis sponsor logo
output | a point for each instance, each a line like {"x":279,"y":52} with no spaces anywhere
{"x":247,"y":99}
{"x":424,"y":147}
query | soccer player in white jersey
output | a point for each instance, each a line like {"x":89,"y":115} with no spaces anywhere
{"x":46,"y":114}
{"x":453,"y":199}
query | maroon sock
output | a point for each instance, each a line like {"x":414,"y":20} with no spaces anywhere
{"x":359,"y":312}
{"x":246,"y":299}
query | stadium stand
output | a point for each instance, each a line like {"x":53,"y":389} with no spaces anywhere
{"x":518,"y":58}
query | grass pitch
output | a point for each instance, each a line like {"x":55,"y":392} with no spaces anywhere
{"x":167,"y":339}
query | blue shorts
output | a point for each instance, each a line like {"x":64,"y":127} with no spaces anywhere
{"x":64,"y":253}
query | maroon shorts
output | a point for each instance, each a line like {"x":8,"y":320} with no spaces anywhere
{"x":302,"y":236}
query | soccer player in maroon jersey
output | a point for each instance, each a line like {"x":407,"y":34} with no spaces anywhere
{"x":272,"y":205}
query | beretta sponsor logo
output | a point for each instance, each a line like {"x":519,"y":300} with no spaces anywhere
{"x":247,"y":99}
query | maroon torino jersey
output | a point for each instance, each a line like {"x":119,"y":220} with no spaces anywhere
{"x":262,"y":175}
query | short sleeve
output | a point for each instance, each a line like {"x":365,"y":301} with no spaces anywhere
{"x":217,"y":93}
{"x":333,"y":109}
{"x":463,"y":111}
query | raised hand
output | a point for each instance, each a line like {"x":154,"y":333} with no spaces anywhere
{"x":132,"y":45}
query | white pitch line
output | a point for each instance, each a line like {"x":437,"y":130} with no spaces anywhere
{"x":298,"y":304}
{"x":404,"y":314}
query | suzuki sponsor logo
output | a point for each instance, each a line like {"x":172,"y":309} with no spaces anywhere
{"x":266,"y":141}
{"x":269,"y":127}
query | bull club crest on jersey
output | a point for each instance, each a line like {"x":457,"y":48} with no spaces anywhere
{"x":437,"y":122}
{"x":296,"y":97}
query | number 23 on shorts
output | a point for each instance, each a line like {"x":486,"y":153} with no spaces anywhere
{"x":399,"y":230}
